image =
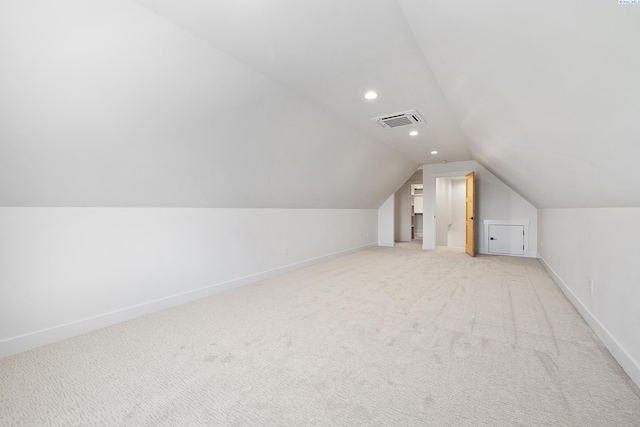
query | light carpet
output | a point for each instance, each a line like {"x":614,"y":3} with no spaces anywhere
{"x":382,"y":337}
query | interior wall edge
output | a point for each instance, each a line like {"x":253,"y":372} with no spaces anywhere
{"x":386,"y":219}
{"x":626,"y":360}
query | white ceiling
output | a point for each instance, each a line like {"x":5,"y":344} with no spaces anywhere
{"x":256,"y":103}
{"x":331,"y":53}
{"x":547,"y":92}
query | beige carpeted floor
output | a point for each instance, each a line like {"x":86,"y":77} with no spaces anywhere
{"x":386,"y":337}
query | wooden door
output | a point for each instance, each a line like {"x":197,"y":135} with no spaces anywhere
{"x":470,"y":243}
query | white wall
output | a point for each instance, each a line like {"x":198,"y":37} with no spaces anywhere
{"x":494,"y":201}
{"x":386,"y":222}
{"x":66,"y":271}
{"x":600,"y":245}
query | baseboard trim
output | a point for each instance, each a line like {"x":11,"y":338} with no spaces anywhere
{"x":43,"y":337}
{"x":626,"y":361}
{"x":524,"y":255}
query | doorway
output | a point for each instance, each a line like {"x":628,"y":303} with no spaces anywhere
{"x":408,"y":213}
{"x":450,"y":211}
{"x":429,"y":191}
{"x":417,"y":209}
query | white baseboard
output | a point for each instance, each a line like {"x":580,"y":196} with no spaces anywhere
{"x":57,"y":333}
{"x":628,"y":363}
{"x":386,"y":244}
{"x":525,"y":255}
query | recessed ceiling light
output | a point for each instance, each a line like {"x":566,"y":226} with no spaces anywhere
{"x":371,"y":95}
{"x":434,"y":152}
{"x":413,"y":133}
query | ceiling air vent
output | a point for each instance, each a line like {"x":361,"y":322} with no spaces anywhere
{"x":399,"y":119}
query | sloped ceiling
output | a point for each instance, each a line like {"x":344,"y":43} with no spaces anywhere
{"x":547,"y":92}
{"x":254,"y":103}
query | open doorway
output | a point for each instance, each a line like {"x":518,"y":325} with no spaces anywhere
{"x":450,"y":211}
{"x":408,"y":213}
{"x":430,"y":217}
{"x":417,"y":209}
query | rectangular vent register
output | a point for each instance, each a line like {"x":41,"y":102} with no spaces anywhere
{"x":405,"y":118}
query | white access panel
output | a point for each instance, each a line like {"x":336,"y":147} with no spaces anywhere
{"x":506,"y":239}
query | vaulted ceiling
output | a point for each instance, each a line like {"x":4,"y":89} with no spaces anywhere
{"x":259,"y":103}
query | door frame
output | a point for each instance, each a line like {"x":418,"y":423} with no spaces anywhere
{"x":429,"y":193}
